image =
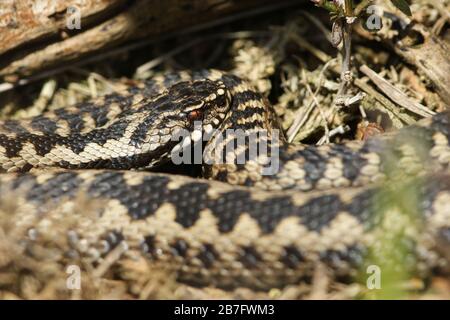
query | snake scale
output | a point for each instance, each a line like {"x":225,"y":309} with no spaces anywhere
{"x":325,"y":205}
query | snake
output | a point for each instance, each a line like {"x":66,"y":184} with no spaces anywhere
{"x":258,"y":219}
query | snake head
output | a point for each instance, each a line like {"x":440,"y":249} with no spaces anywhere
{"x":185,"y":112}
{"x":202,"y":101}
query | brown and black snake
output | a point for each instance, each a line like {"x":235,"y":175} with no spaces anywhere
{"x":325,"y":205}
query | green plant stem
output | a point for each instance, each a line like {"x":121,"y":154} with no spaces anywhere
{"x":349,"y":8}
{"x":328,"y":5}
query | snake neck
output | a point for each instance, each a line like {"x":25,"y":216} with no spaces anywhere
{"x":250,"y":150}
{"x":248,"y":140}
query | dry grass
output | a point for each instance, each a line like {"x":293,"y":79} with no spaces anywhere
{"x":292,"y":63}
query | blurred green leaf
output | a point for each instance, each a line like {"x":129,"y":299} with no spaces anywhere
{"x":403,"y":6}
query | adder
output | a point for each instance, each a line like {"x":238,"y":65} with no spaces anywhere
{"x":327,"y":205}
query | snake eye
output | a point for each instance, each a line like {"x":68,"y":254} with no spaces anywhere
{"x":195,"y":115}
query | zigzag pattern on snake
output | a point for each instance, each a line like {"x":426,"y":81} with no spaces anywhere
{"x":324,"y":204}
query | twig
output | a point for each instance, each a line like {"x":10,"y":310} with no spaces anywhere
{"x":141,"y":70}
{"x":303,"y":43}
{"x":110,"y":259}
{"x":346,"y":76}
{"x":390,"y":107}
{"x":338,"y":130}
{"x":160,"y":59}
{"x":443,"y":10}
{"x":145,"y":42}
{"x":348,"y":101}
{"x":322,"y":56}
{"x":395,"y":94}
{"x":321,"y":282}
{"x":302,"y":116}
{"x":322,"y":114}
{"x":314,"y":20}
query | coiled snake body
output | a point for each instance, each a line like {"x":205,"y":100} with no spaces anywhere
{"x":323,"y":205}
